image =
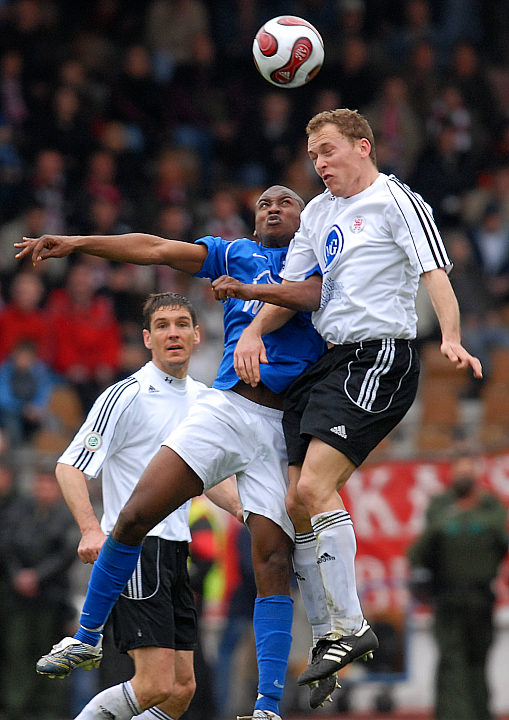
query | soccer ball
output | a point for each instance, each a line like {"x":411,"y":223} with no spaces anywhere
{"x":288,"y":51}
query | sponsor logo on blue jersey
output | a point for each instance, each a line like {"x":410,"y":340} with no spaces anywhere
{"x":333,"y":246}
{"x":254,"y":306}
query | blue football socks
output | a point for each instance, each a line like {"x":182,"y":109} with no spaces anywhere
{"x":272,"y":622}
{"x":110,"y":574}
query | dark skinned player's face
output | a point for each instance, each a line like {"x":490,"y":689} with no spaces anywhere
{"x":277,"y":217}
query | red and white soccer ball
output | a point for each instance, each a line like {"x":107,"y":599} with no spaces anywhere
{"x":288,"y":51}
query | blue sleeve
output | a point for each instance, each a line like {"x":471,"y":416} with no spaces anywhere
{"x":215,"y":262}
{"x":315,"y":271}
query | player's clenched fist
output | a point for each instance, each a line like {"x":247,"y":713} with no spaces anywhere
{"x":226,"y":286}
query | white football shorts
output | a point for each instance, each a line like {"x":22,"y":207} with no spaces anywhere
{"x":226,"y":434}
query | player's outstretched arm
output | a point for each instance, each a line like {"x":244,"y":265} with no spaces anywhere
{"x":303,"y":296}
{"x":138,"y":248}
{"x":75,"y":491}
{"x":446,"y":307}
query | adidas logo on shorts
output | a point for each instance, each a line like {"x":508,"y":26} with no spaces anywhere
{"x":339,"y":430}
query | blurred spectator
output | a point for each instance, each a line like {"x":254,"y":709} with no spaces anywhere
{"x":31,"y":28}
{"x":197,"y":106}
{"x":86,"y":334}
{"x":500,"y":141}
{"x":92,"y":89}
{"x":40,"y":550}
{"x":126,"y":145}
{"x":492,"y":189}
{"x":442,"y":174}
{"x":137,"y":97}
{"x":417,"y":27}
{"x":272,"y":128}
{"x":48,"y":187}
{"x":490,"y":242}
{"x":12,"y":89}
{"x":449,"y":108}
{"x":351,"y":16}
{"x":31,"y":222}
{"x":205,"y":573}
{"x":9,"y":497}
{"x":395,"y":123}
{"x":105,"y":217}
{"x":457,"y":21}
{"x":467,"y":74}
{"x":25,"y":388}
{"x":171,"y":27}
{"x":354,"y":76}
{"x":463,"y":522}
{"x":175,"y":223}
{"x":99,"y":181}
{"x":176,"y":176}
{"x":11,"y":172}
{"x":241,"y":589}
{"x":483,"y":327}
{"x":422,"y":77}
{"x":222,"y":217}
{"x":23,"y":318}
{"x":64,"y":128}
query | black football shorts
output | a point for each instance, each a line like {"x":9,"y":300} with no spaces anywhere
{"x":351,"y":398}
{"x":157,"y":609}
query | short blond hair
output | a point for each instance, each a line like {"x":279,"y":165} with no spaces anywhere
{"x":350,"y":123}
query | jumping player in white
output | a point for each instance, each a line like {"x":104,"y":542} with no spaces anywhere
{"x":154,"y":619}
{"x":374,"y":239}
{"x":232,"y":429}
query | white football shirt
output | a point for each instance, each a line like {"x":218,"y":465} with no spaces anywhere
{"x":372,"y":248}
{"x":123,"y":431}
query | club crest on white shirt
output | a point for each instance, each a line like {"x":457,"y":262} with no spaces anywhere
{"x":93,"y":441}
{"x":333,"y":245}
{"x":358,"y":224}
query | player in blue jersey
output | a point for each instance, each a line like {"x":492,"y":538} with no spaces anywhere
{"x":233,"y":428}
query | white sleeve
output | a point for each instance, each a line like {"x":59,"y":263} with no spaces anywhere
{"x":413,"y":228}
{"x":301,"y":259}
{"x":101,"y":432}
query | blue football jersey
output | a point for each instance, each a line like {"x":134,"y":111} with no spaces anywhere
{"x":293,"y":347}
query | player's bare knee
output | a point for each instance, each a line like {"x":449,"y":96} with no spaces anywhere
{"x":272,"y":568}
{"x":296,"y":509}
{"x":130,"y":527}
{"x":153,"y":691}
{"x":183,"y":693}
{"x":315,"y":495}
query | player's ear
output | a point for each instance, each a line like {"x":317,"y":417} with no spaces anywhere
{"x":254,"y":233}
{"x":147,"y":340}
{"x":197,"y":336}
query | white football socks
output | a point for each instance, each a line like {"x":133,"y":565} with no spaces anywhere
{"x":335,"y":552}
{"x":118,"y":702}
{"x":154,"y":713}
{"x":310,"y":584}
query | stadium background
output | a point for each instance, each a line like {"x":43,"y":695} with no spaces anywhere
{"x":150,"y":116}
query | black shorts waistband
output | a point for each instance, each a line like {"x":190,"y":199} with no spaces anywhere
{"x":370,"y":343}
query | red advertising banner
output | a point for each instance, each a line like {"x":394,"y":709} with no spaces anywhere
{"x":387,"y":503}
